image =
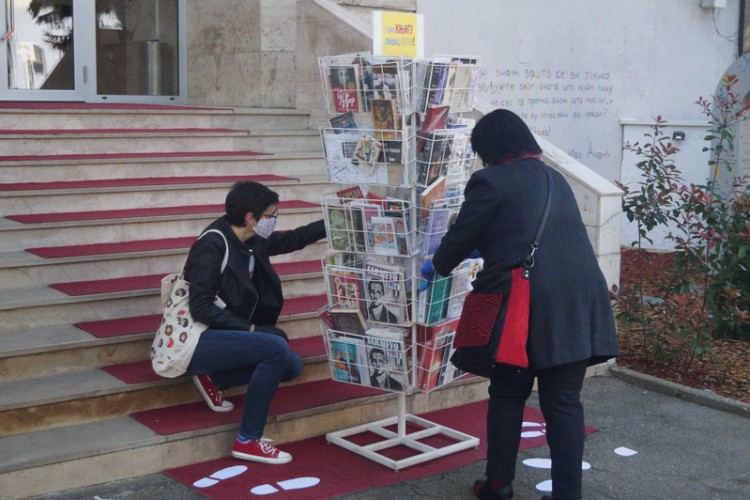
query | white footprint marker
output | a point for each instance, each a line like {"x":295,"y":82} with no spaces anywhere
{"x":297,"y":483}
{"x":540,"y":430}
{"x":546,"y":463}
{"x":545,"y":486}
{"x":625,"y":452}
{"x":220,"y":475}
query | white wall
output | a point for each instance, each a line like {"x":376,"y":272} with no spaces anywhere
{"x":575,"y":68}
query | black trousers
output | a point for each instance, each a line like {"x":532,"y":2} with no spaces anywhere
{"x":560,"y":400}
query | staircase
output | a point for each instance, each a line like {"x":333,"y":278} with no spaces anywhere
{"x":97,"y":203}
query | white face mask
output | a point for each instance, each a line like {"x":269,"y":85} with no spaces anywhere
{"x":265,"y":226}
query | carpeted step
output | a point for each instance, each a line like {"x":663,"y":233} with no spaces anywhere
{"x":153,"y":281}
{"x":111,"y":157}
{"x":288,"y":399}
{"x":119,"y":132}
{"x":48,"y":105}
{"x":137,"y":325}
{"x":141,"y":182}
{"x":141,"y":213}
{"x":141,"y":372}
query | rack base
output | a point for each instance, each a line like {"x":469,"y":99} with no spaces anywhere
{"x":411,"y":440}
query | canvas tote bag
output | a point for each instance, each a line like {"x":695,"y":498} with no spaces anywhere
{"x":178,"y":333}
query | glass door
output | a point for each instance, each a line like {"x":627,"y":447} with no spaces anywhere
{"x":95,"y":51}
{"x":41,"y":51}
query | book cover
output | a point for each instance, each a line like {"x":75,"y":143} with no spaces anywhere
{"x":437,"y":224}
{"x":351,"y":193}
{"x":462,"y":276}
{"x":462,"y":92}
{"x":436,"y":156}
{"x":362,"y":214}
{"x":430,"y":194}
{"x":387,"y":358}
{"x":435,"y":347}
{"x":384,"y":118}
{"x":392,"y":152}
{"x":381,"y":236}
{"x":438,"y":300}
{"x":449,"y":372}
{"x":345,"y":87}
{"x":386,"y":291}
{"x":367,"y":152}
{"x":385,"y":80}
{"x":435,"y":118}
{"x":340,"y":229}
{"x":347,"y":360}
{"x":346,"y":287}
{"x":431,"y":83}
{"x":458,"y":164}
{"x":347,"y":320}
{"x":343,"y":121}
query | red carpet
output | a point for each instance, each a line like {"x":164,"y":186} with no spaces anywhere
{"x":146,"y":181}
{"x":148,"y":324}
{"x":151,"y":281}
{"x":112,"y":248}
{"x":121,"y":131}
{"x":290,"y":398}
{"x":341,"y":471}
{"x":140,"y":212}
{"x":128,"y":156}
{"x":140,"y":372}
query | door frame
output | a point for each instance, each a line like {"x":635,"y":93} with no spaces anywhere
{"x":84,"y":49}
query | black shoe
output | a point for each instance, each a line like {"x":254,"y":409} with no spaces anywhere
{"x":483,"y":490}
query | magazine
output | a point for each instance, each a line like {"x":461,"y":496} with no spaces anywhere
{"x":387,"y":359}
{"x":386,"y":290}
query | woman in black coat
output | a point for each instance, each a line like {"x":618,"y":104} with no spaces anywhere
{"x":571,"y":323}
{"x":242,"y":345}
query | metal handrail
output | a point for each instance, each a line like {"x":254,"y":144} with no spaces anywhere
{"x":12,"y":27}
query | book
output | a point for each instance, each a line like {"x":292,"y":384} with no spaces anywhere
{"x":392,"y":152}
{"x":339,"y":147}
{"x":441,"y":215}
{"x":435,"y":118}
{"x":462,"y":93}
{"x":362,"y":214}
{"x":381,"y":236}
{"x":462,"y":276}
{"x":345,"y":87}
{"x":448,"y":371}
{"x":346,"y":287}
{"x":386,"y":291}
{"x":383,"y":118}
{"x":340,"y":229}
{"x":367,"y":152}
{"x":433,"y":192}
{"x":348,"y":359}
{"x":351,"y":193}
{"x":431,"y":84}
{"x":434,"y":342}
{"x":387,"y":359}
{"x":433,"y":300}
{"x":459,"y":159}
{"x":385,"y":80}
{"x":343,"y":121}
{"x":435,"y":157}
{"x":347,"y":320}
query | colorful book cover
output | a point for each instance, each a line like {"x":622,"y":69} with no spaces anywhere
{"x":345,"y":88}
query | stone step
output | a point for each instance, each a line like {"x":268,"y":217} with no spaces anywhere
{"x":97,"y":116}
{"x":43,"y":168}
{"x":48,"y":350}
{"x":80,"y":228}
{"x":92,"y":141}
{"x":120,"y":448}
{"x":117,"y":390}
{"x":118,"y":194}
{"x":43,"y":265}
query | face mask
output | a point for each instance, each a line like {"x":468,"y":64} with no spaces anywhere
{"x":265,"y":227}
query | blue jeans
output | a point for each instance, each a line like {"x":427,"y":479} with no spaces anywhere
{"x":261,"y":360}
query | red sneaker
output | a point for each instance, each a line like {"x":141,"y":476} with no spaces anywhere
{"x":260,"y":450}
{"x":213,"y":396}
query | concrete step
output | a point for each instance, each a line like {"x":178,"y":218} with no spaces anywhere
{"x":120,"y":448}
{"x":92,"y":141}
{"x":77,"y":167}
{"x":120,"y":194}
{"x":117,"y":390}
{"x":78,"y":228}
{"x":93,"y":116}
{"x":54,"y":349}
{"x":33,"y":267}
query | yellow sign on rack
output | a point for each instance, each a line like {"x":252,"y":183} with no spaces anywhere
{"x":397,"y":34}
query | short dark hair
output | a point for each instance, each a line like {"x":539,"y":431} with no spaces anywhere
{"x":502,"y":135}
{"x":248,"y":197}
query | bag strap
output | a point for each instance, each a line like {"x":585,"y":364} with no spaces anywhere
{"x":226,"y":246}
{"x":529,"y":262}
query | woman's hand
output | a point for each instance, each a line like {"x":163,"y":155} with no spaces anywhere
{"x":428,"y":273}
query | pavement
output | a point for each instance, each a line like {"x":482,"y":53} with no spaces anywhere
{"x":688,"y":443}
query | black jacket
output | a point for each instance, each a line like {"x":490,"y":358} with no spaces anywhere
{"x":256,"y":301}
{"x":571,"y":315}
